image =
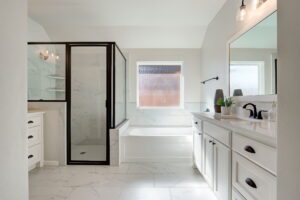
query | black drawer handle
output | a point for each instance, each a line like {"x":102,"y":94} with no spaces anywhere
{"x":251,"y":183}
{"x":30,"y":156}
{"x":210,"y":141}
{"x":30,"y":136}
{"x":30,"y":122}
{"x":196,"y":122}
{"x":249,"y":149}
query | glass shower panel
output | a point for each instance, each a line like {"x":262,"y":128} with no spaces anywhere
{"x":46,"y":72}
{"x":88,"y":103}
{"x":120,"y":81}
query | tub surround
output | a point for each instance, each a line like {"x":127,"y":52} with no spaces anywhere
{"x":157,"y":144}
{"x":263,"y":131}
{"x":115,"y":144}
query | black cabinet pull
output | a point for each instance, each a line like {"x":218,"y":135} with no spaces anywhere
{"x":249,"y":149}
{"x":30,"y":122}
{"x":30,"y":156}
{"x":251,"y":183}
{"x":30,"y":136}
{"x":196,"y":122}
{"x":213,"y":143}
{"x":210,"y":141}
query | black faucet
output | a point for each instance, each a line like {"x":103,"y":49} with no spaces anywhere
{"x":253,"y":113}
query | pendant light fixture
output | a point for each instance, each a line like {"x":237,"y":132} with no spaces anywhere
{"x":242,"y":12}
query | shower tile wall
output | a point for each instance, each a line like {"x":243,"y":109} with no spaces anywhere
{"x":38,"y":70}
{"x":89,"y":96}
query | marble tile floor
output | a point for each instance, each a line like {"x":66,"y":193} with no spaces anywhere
{"x":151,"y":181}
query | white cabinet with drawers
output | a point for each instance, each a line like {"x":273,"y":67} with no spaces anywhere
{"x":198,"y":145}
{"x":35,"y":140}
{"x":236,"y":164}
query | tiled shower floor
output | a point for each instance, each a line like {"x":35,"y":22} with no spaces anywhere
{"x":89,"y":152}
{"x":153,"y":181}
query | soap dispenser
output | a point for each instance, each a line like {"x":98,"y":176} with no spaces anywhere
{"x":272,"y":114}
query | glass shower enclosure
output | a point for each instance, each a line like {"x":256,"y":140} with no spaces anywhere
{"x":95,"y":93}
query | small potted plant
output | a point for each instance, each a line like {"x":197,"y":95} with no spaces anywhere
{"x":225,"y":104}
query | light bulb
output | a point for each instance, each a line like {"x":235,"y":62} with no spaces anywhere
{"x":243,"y":13}
{"x":255,"y":4}
{"x":57,"y":57}
{"x":52,"y":54}
{"x":47,"y":52}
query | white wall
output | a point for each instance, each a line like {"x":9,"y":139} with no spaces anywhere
{"x":13,"y":106}
{"x":215,"y":49}
{"x":288,"y":100}
{"x":191,"y":73}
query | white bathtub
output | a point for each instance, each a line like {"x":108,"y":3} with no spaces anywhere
{"x":157,"y":144}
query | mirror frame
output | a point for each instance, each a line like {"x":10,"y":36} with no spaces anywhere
{"x":247,"y":26}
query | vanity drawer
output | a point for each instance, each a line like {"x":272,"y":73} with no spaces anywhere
{"x":34,"y":155}
{"x":253,"y":182}
{"x":218,"y":133}
{"x":34,"y":135}
{"x":261,"y":154}
{"x":236,"y":195}
{"x":198,"y":124}
{"x":34,"y":121}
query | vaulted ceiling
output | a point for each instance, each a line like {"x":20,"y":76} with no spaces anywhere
{"x":132,"y":23}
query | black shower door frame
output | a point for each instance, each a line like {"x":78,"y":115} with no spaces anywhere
{"x":108,"y":46}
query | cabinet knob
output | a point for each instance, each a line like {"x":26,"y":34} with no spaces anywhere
{"x":251,"y":183}
{"x":30,"y":136}
{"x":30,"y":122}
{"x":196,"y":122}
{"x":30,"y":156}
{"x":249,"y":149}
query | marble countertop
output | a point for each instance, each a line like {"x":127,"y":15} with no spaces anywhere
{"x":264,"y":131}
{"x":31,"y":112}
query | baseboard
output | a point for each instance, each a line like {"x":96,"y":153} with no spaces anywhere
{"x":51,"y":163}
{"x":160,"y":160}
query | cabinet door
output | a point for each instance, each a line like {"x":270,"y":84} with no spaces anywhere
{"x":198,"y":139}
{"x":222,"y":171}
{"x":208,"y":165}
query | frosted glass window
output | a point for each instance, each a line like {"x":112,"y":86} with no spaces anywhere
{"x":246,"y":77}
{"x":159,"y":85}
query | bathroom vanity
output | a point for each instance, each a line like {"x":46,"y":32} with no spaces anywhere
{"x":236,"y":157}
{"x":35,"y":139}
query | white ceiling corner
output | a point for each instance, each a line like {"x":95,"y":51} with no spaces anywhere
{"x":131,"y":23}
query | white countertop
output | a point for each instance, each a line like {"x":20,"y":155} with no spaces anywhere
{"x":31,"y":112}
{"x":264,"y":131}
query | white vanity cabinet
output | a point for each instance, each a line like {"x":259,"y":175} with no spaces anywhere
{"x":35,"y":140}
{"x":208,"y":160}
{"x":198,"y":145}
{"x":238,"y":161}
{"x":222,"y":171}
{"x":217,"y":160}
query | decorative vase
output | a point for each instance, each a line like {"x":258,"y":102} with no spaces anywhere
{"x":219,"y":94}
{"x":237,"y":92}
{"x":225,"y":110}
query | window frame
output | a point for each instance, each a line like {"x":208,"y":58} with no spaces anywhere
{"x":181,"y":104}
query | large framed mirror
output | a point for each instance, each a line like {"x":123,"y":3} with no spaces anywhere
{"x":253,"y":60}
